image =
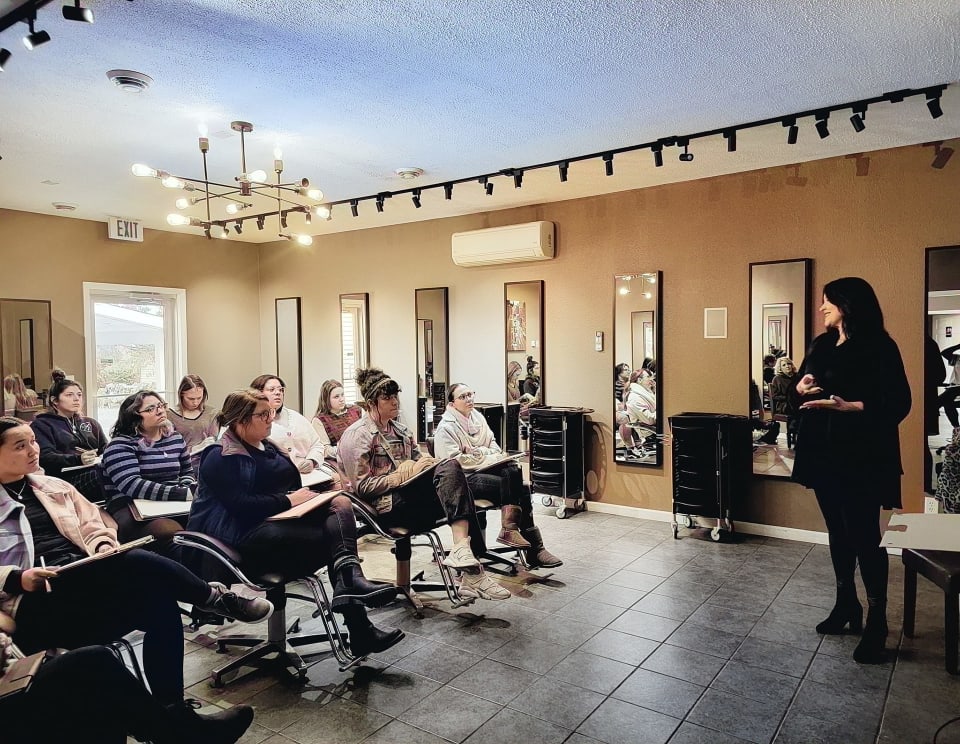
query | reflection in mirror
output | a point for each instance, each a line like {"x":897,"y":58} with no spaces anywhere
{"x":637,"y":320}
{"x":26,"y":341}
{"x":289,"y":354}
{"x":354,"y":340}
{"x":524,"y":374}
{"x":432,"y":358}
{"x":779,"y":334}
{"x":942,"y":375}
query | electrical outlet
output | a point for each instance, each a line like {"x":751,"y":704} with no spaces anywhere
{"x":931,"y":505}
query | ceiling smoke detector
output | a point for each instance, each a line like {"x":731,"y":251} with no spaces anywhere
{"x":409,"y":173}
{"x":64,"y":207}
{"x":130,"y":80}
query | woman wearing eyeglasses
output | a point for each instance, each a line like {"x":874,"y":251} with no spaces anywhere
{"x":464,"y":434}
{"x":291,"y":432}
{"x":146,"y":459}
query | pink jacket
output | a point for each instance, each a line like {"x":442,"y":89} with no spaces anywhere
{"x":82,"y":523}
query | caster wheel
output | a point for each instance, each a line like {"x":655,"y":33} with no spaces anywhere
{"x":302,"y":677}
{"x":546,"y":501}
{"x":715,"y":534}
{"x":216,"y":683}
{"x":561,"y":512}
{"x":221,"y":649}
{"x":676,"y":530}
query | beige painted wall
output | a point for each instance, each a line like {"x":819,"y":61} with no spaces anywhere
{"x":48,"y":258}
{"x":701,"y":234}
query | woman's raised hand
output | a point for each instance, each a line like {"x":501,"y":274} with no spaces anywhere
{"x":808,"y":385}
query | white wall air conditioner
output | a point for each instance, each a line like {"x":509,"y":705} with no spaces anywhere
{"x":531,"y":241}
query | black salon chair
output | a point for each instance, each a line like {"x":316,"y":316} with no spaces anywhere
{"x":279,"y":650}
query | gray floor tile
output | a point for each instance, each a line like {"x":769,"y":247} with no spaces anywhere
{"x":533,"y":654}
{"x":610,"y":594}
{"x":635,"y":580}
{"x":677,"y":587}
{"x":803,"y":729}
{"x":664,"y":568}
{"x":624,"y":647}
{"x":658,"y":692}
{"x":591,"y":672}
{"x":337,"y":722}
{"x":791,"y":634}
{"x":735,"y":622}
{"x":642,"y":624}
{"x":451,"y":714}
{"x":684,"y":664}
{"x":392,"y":691}
{"x":398,"y":732}
{"x":587,"y":610}
{"x":565,"y":632}
{"x":512,"y":726}
{"x":618,"y":722}
{"x":738,"y":716}
{"x":494,"y":681}
{"x":775,"y":656}
{"x":848,"y":675}
{"x":757,"y":684}
{"x":438,"y":661}
{"x":675,"y":608}
{"x":831,"y":703}
{"x":557,"y":702}
{"x":690,"y":733}
{"x":705,"y":640}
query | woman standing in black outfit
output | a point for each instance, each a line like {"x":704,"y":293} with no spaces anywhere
{"x":854,"y":394}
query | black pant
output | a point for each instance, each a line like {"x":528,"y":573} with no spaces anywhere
{"x":85,"y":696}
{"x":852,"y":514}
{"x":948,"y":399}
{"x":297,"y":547}
{"x":423,"y":502}
{"x":105,"y":600}
{"x":162,"y":529}
{"x":504,"y":486}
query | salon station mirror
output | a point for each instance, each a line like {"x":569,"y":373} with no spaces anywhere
{"x":354,"y":340}
{"x":779,"y":335}
{"x":524,"y":354}
{"x":26,"y":341}
{"x":637,"y":323}
{"x":941,"y":395}
{"x":433,"y":369}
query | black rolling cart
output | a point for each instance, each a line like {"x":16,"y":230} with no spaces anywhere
{"x":712,"y":466}
{"x":558,"y":457}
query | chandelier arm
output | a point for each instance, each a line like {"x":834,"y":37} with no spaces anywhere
{"x":206,"y":183}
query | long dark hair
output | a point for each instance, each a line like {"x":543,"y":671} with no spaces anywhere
{"x":60,"y":385}
{"x":7,"y":423}
{"x":855,"y":298}
{"x":129,"y":418}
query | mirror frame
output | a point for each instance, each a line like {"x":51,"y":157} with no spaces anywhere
{"x":657,"y":329}
{"x":428,"y":394}
{"x":362,"y":359}
{"x":796,"y":350}
{"x":512,"y":423}
{"x":290,"y":348}
{"x":6,"y":366}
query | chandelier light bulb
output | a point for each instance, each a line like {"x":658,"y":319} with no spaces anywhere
{"x":322,"y":211}
{"x":234,"y":207}
{"x":258,"y":175}
{"x":177,"y":220}
{"x":315,"y":194}
{"x":139,"y":169}
{"x":172,"y":182}
{"x":183,"y":202}
{"x":303,"y":239}
{"x":277,"y":153}
{"x":202,"y":129}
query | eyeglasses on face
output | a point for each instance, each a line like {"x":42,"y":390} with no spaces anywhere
{"x":265,"y":416}
{"x":156,"y":407}
{"x":465,"y":396}
{"x":273,"y":389}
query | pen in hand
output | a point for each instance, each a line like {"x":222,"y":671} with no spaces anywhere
{"x":43,"y":564}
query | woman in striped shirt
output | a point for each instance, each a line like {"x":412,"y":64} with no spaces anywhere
{"x":146,"y":459}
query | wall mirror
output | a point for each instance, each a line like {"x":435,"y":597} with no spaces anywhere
{"x":289,"y":350}
{"x":26,"y":341}
{"x":354,"y":340}
{"x":524,"y":354}
{"x":637,"y":323}
{"x":779,"y":335}
{"x":941,"y":395}
{"x":433,"y":367}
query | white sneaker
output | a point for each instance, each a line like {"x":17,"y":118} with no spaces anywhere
{"x":481,"y":586}
{"x":460,"y":556}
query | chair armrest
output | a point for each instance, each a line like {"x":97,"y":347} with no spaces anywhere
{"x":367,"y":514}
{"x":226,"y":554}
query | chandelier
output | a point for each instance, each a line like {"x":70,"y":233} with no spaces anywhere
{"x":252,"y":191}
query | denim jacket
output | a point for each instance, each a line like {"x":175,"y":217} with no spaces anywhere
{"x":365,"y":458}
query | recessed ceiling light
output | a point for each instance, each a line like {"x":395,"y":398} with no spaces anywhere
{"x":48,"y":182}
{"x":408,"y":172}
{"x":130,"y":80}
{"x":64,"y":206}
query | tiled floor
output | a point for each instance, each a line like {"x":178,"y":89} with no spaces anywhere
{"x":637,"y":638}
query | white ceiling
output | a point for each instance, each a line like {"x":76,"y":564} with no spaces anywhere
{"x":353,"y":89}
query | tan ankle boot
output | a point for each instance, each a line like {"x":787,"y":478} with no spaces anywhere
{"x":510,"y":528}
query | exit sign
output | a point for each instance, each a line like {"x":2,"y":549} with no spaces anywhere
{"x":119,"y":228}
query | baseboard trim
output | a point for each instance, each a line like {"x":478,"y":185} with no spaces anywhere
{"x":749,"y":528}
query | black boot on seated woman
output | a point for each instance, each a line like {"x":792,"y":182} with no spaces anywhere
{"x":349,"y":585}
{"x":365,"y":637}
{"x":847,"y":611}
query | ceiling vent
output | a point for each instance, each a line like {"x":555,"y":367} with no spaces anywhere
{"x":64,"y":207}
{"x":409,"y":173}
{"x":531,"y":241}
{"x":130,"y":80}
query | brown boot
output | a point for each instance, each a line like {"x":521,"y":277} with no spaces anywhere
{"x":510,"y":528}
{"x":538,"y":556}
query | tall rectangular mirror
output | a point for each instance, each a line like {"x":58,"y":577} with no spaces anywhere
{"x":354,"y":340}
{"x":523,"y":317}
{"x":637,"y":324}
{"x":26,"y":341}
{"x":433,"y":367}
{"x":941,"y":395}
{"x":289,"y":350}
{"x":779,"y":334}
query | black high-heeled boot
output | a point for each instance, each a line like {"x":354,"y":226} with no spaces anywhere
{"x":872,"y":646}
{"x":350,"y":584}
{"x":847,"y":610}
{"x":365,"y":637}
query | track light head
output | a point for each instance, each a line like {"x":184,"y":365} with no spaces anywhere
{"x":517,"y":178}
{"x":238,"y":226}
{"x":354,"y":207}
{"x":487,"y":186}
{"x":260,"y":221}
{"x":822,"y":128}
{"x":4,"y":58}
{"x":415,"y":197}
{"x":76,"y":13}
{"x":856,"y":121}
{"x":657,"y":150}
{"x":283,"y":219}
{"x":686,"y":156}
{"x":564,"y":167}
{"x":608,"y":163}
{"x":448,"y":191}
{"x":792,"y":130}
{"x":933,"y":103}
{"x":35,"y":38}
{"x":941,"y":155}
{"x":731,"y":137}
{"x":380,"y":203}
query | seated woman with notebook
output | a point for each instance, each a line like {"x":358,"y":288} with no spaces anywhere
{"x":463,"y":433}
{"x":70,"y":443}
{"x":45,"y":526}
{"x":193,"y":418}
{"x":381,"y":459}
{"x":334,"y":415}
{"x":146,"y":459}
{"x":290,"y":431}
{"x":245,"y":479}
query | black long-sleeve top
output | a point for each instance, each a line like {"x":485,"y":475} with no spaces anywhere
{"x":863,"y":447}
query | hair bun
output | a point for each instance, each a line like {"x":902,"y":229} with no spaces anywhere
{"x":371,"y":381}
{"x":57,"y":375}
